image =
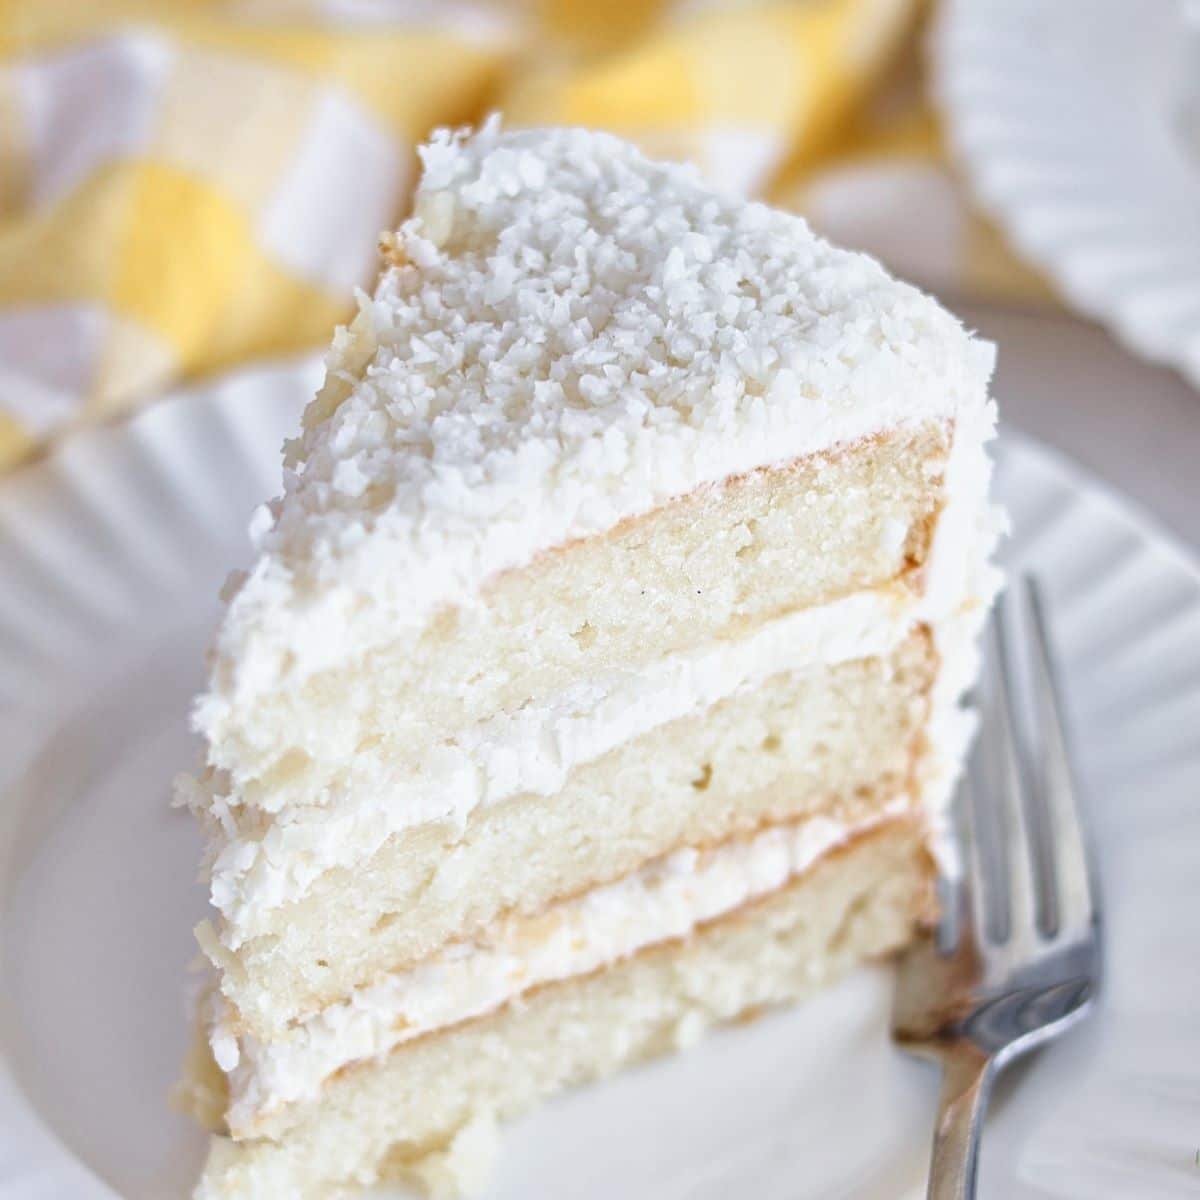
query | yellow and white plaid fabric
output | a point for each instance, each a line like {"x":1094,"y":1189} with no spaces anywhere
{"x":187,"y":186}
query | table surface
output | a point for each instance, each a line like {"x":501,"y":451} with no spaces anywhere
{"x":1135,"y":426}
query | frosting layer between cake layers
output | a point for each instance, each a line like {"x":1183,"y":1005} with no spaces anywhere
{"x":665,"y":900}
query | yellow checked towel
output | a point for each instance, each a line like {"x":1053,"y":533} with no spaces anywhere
{"x":188,"y":186}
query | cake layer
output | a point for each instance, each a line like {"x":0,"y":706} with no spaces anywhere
{"x":837,"y":740}
{"x":708,"y":566}
{"x":664,"y":900}
{"x":383,"y":1117}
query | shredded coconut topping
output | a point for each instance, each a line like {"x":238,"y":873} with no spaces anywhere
{"x":567,"y":334}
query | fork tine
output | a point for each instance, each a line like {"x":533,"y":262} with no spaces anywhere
{"x":1071,"y":868}
{"x":1008,"y":776}
{"x":979,"y":882}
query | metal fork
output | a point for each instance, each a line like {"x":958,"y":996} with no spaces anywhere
{"x":1016,"y":960}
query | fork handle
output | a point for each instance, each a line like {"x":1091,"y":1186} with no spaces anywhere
{"x":966,"y":1081}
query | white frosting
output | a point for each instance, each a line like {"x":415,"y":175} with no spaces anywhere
{"x":664,"y":900}
{"x":534,"y":749}
{"x":961,"y":582}
{"x":575,"y":335}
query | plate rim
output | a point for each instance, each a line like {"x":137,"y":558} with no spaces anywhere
{"x":1069,"y":259}
{"x":1128,"y":511}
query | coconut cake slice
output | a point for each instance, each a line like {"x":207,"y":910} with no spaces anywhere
{"x":598,"y":676}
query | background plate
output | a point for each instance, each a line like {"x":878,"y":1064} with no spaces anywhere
{"x":111,"y":554}
{"x":1078,"y":124}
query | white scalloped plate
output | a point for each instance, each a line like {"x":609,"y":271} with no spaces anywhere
{"x":111,"y":553}
{"x":1078,"y":124}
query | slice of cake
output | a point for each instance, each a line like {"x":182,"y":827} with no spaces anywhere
{"x":597,"y":680}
